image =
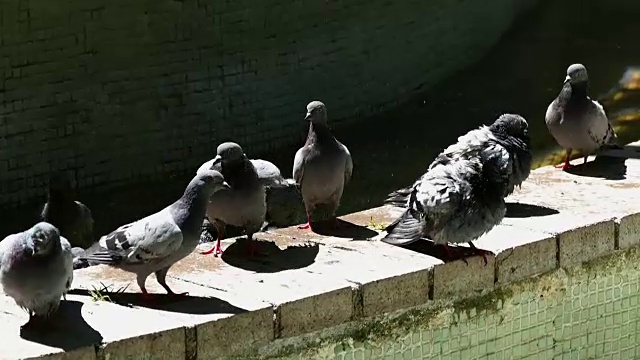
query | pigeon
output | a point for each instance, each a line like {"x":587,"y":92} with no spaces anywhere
{"x":461,"y":196}
{"x":268,"y":173}
{"x":154,"y":243}
{"x":321,"y":168}
{"x":575,"y":121}
{"x":72,"y":218}
{"x":243,"y":204}
{"x":284,"y":201}
{"x":36,"y":270}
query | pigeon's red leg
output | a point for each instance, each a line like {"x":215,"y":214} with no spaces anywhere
{"x":307,"y":225}
{"x":480,"y":252}
{"x":450,"y":256}
{"x":566,"y":164}
{"x":217,"y":249}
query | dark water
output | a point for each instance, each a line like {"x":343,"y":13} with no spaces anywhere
{"x":522,"y":74}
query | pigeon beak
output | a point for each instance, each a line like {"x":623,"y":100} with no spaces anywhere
{"x":308,"y":116}
{"x":225,"y":185}
{"x":217,"y":160}
{"x":567,"y":79}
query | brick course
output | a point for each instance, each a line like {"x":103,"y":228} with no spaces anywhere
{"x":125,"y":89}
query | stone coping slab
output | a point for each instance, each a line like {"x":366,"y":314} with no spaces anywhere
{"x":302,"y":281}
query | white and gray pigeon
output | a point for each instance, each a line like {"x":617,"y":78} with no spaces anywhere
{"x":154,"y":243}
{"x":242,"y":205}
{"x":72,"y":218}
{"x":575,"y":121}
{"x":321,"y":168}
{"x":461,"y":196}
{"x":36,"y":270}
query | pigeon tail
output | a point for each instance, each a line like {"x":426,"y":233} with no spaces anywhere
{"x":399,"y":197}
{"x":611,"y":139}
{"x":407,"y":229}
{"x":104,"y":257}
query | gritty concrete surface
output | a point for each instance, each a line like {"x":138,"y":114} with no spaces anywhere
{"x":303,"y":281}
{"x":515,"y":247}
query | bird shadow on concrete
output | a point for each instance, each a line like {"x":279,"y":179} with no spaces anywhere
{"x":605,"y":167}
{"x":185,"y":304}
{"x":268,"y":257}
{"x":344,"y":229}
{"x":522,"y":210}
{"x":68,"y":331}
{"x":456,"y":252}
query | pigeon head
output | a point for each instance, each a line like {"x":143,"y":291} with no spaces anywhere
{"x":228,"y":152}
{"x":316,"y":112}
{"x":43,"y":237}
{"x":512,"y":132}
{"x":511,"y":125}
{"x":208,"y":181}
{"x":577,"y":74}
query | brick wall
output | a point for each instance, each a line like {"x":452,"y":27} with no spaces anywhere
{"x":124,"y":89}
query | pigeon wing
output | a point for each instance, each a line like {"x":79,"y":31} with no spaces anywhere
{"x":298,"y":164}
{"x":348,"y":166}
{"x":600,"y":129}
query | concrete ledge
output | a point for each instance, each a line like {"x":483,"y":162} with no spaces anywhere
{"x":306,"y":283}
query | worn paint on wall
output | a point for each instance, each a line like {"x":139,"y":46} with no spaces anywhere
{"x":590,"y":312}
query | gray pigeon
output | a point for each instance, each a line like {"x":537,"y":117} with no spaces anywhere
{"x":242,"y":205}
{"x":72,"y":218}
{"x":461,"y":196}
{"x":284,"y":201}
{"x":321,"y":168}
{"x":36,"y":270}
{"x":153,"y":244}
{"x":575,"y":121}
{"x":268,"y":173}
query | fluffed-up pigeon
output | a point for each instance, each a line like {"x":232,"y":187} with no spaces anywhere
{"x":575,"y":121}
{"x":284,"y":201}
{"x":154,"y":243}
{"x":461,"y":196}
{"x":72,"y":218}
{"x":242,"y":205}
{"x":36,"y":270}
{"x":321,"y":168}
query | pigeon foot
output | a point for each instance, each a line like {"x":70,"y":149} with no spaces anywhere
{"x":480,"y":252}
{"x":567,"y":158}
{"x":446,"y":248}
{"x":216,"y":250}
{"x":305,"y":226}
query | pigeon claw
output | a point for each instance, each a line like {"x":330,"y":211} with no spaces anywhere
{"x":216,"y":250}
{"x":564,"y":166}
{"x":305,"y":226}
